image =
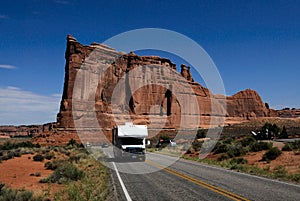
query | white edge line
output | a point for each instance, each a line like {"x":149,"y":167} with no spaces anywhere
{"x":128,"y":198}
{"x":122,"y":183}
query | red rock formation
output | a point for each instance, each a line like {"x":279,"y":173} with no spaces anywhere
{"x":289,"y":113}
{"x":25,"y":130}
{"x":247,"y":104}
{"x":120,"y":96}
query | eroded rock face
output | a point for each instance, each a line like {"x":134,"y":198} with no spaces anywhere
{"x":289,"y":113}
{"x":28,"y":130}
{"x":116,"y":87}
{"x":247,"y":104}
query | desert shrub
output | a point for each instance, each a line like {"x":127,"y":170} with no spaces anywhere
{"x":223,"y":157}
{"x":10,"y":155}
{"x":238,"y":161}
{"x":283,"y":134}
{"x":279,"y":171}
{"x":294,"y":177}
{"x":49,"y":156}
{"x":236,"y":150}
{"x":11,"y":194}
{"x":221,"y":148}
{"x":17,"y":153}
{"x":228,"y":140}
{"x":287,"y":147}
{"x":4,"y":158}
{"x":49,"y":165}
{"x":77,"y":157}
{"x":63,"y":173}
{"x":72,"y":143}
{"x":200,"y":134}
{"x":1,"y":186}
{"x":52,"y":165}
{"x":190,"y":150}
{"x":271,"y":154}
{"x":38,"y":157}
{"x":9,"y":145}
{"x":259,"y":146}
{"x":197,"y":145}
{"x":295,"y":144}
{"x":37,"y":174}
{"x":249,"y":140}
{"x":1,"y":153}
{"x":208,"y":146}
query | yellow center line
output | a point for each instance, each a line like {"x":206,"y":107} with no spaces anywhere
{"x":200,"y":183}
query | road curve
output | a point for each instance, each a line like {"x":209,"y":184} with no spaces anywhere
{"x":188,"y":180}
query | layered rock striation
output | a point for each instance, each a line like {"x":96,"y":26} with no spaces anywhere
{"x":113,"y":87}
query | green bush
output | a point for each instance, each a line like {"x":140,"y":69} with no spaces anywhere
{"x":49,"y":156}
{"x":294,"y":177}
{"x":197,"y":145}
{"x":259,"y":146}
{"x":38,"y":157}
{"x":8,"y":194}
{"x":238,"y":161}
{"x":77,"y":157}
{"x":271,"y":154}
{"x":279,"y":171}
{"x":190,"y":150}
{"x":228,"y":140}
{"x":63,"y":173}
{"x":8,"y":145}
{"x":17,"y":153}
{"x":236,"y":150}
{"x":287,"y":147}
{"x":52,"y":165}
{"x":249,"y":140}
{"x":200,"y":134}
{"x":221,"y":148}
{"x":223,"y":157}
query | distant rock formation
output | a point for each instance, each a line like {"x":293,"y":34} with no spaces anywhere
{"x":245,"y":104}
{"x":248,"y":104}
{"x":25,"y":130}
{"x":289,"y":113}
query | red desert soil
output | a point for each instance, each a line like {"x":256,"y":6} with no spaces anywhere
{"x":288,"y":159}
{"x":15,"y":173}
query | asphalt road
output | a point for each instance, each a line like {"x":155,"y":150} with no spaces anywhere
{"x":163,"y":178}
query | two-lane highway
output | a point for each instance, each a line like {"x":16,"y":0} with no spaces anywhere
{"x":160,"y":178}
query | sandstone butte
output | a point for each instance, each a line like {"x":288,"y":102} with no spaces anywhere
{"x":103,"y":88}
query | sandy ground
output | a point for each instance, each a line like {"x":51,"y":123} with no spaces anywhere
{"x":15,"y":173}
{"x":288,"y":159}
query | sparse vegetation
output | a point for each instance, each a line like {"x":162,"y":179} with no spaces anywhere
{"x":8,"y":194}
{"x":64,"y":173}
{"x":38,"y":157}
{"x":69,"y":164}
{"x":271,"y":154}
{"x":8,"y":145}
{"x":260,"y":146}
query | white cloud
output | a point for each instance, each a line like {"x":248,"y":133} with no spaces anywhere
{"x":5,"y":66}
{"x":24,"y":107}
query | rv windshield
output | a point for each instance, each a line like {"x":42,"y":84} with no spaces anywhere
{"x":131,"y":141}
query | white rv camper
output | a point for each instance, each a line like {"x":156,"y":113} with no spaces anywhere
{"x":129,"y":141}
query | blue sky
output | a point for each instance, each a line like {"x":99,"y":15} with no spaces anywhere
{"x":254,"y":44}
